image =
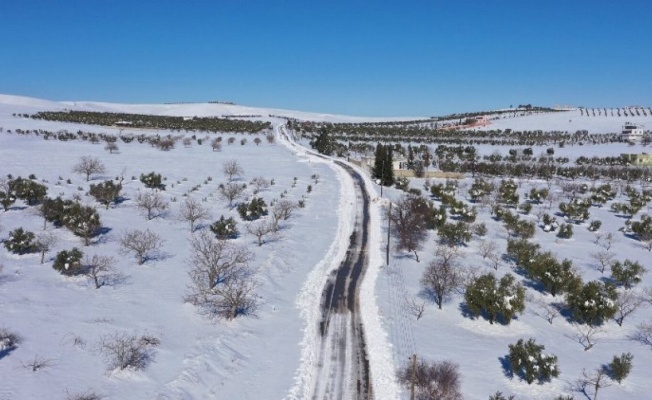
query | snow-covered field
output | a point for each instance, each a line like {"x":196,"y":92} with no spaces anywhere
{"x":570,"y":121}
{"x":62,"y":320}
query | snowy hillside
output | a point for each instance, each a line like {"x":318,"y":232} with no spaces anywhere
{"x":63,"y":321}
{"x":571,"y":121}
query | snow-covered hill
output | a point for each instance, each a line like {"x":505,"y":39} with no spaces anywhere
{"x":62,"y":320}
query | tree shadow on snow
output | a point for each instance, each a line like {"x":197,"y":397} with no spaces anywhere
{"x":506,"y":366}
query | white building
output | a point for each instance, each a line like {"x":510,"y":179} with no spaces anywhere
{"x":632,"y":132}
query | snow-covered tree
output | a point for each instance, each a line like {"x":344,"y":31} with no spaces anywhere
{"x":21,"y":242}
{"x":627,"y":273}
{"x":593,"y":303}
{"x":68,"y":262}
{"x":528,"y":361}
{"x":496,"y":300}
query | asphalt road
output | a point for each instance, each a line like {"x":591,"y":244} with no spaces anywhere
{"x":343,"y":367}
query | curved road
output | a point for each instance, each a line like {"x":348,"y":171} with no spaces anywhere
{"x":343,"y":368}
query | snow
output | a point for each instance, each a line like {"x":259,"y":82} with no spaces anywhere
{"x":248,"y":358}
{"x":272,"y":356}
{"x":568,"y":121}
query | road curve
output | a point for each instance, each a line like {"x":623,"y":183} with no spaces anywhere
{"x":343,"y":367}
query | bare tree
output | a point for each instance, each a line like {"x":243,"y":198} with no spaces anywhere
{"x":647,"y":244}
{"x":260,"y":229}
{"x":230,"y":192}
{"x":414,"y":306}
{"x":111,"y":147}
{"x":270,"y":138}
{"x":232,"y":170}
{"x":591,"y":382}
{"x":38,"y":363}
{"x":122,"y":350}
{"x":433,"y":381}
{"x":87,"y":395}
{"x":88,"y":165}
{"x":143,"y":244}
{"x":44,"y":242}
{"x":647,"y":295}
{"x":495,"y":260}
{"x":488,"y":249}
{"x":443,"y":276}
{"x":609,"y":240}
{"x":627,"y":303}
{"x":544,"y":309}
{"x":259,"y":184}
{"x":222,"y":282}
{"x":193,"y":211}
{"x":216,"y":144}
{"x":152,"y":203}
{"x":643,"y":333}
{"x":603,"y":260}
{"x":281,"y":211}
{"x":586,"y":334}
{"x":101,"y":270}
{"x":409,"y":220}
{"x":41,"y":211}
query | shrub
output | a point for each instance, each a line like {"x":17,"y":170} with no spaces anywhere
{"x":595,"y":225}
{"x":522,"y":252}
{"x":27,"y":190}
{"x":106,"y":192}
{"x":620,"y":367}
{"x":68,"y":262}
{"x":253,"y":210}
{"x":454,"y":234}
{"x":549,"y":223}
{"x":480,"y":229}
{"x":628,"y":273}
{"x":495,"y":300}
{"x":152,"y":180}
{"x":83,"y":221}
{"x":7,"y":198}
{"x":527,"y":361}
{"x":21,"y":242}
{"x":556,"y":277}
{"x":9,"y":341}
{"x":592,"y":303}
{"x":225,"y":228}
{"x":565,"y":231}
{"x":123,"y":350}
{"x":434,"y":381}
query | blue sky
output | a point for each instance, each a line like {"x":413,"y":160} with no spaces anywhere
{"x":372,"y":58}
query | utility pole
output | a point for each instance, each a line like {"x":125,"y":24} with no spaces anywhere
{"x":389,"y":226}
{"x":382,"y":178}
{"x":414,"y":375}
